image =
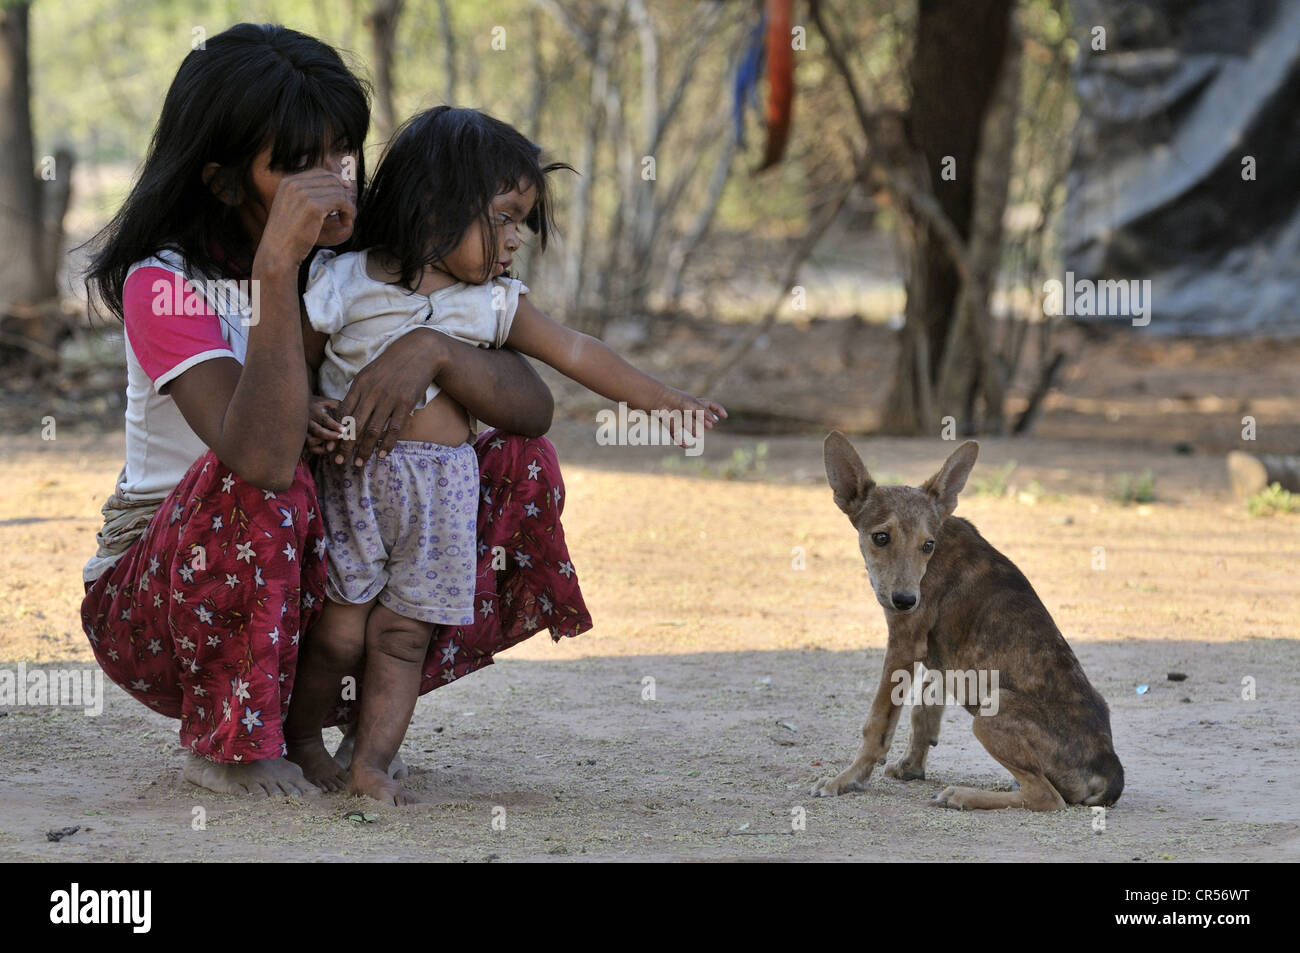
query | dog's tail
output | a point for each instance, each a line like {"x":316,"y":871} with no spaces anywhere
{"x":1107,"y":781}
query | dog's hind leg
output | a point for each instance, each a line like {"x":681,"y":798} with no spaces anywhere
{"x":925,"y":735}
{"x":1017,"y":740}
{"x":1036,"y":794}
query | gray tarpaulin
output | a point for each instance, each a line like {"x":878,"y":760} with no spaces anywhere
{"x":1186,"y":90}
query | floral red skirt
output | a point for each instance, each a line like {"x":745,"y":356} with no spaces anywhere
{"x":202,"y":617}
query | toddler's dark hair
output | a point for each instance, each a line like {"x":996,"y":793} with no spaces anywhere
{"x":440,"y":173}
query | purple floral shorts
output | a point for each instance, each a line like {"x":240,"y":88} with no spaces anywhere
{"x":404,"y":529}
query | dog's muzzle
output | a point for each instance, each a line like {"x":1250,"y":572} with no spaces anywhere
{"x":903,"y":601}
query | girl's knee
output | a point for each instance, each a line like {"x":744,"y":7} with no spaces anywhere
{"x":541,"y":449}
{"x":338,"y":639}
{"x":521,"y":459}
{"x":397,"y":636}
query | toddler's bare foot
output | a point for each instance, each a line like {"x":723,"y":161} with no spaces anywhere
{"x":343,"y":755}
{"x":317,"y":765}
{"x":374,"y":783}
{"x":270,"y":777}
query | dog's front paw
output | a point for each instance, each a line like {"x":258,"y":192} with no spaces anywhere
{"x":834,"y":787}
{"x":905,"y":771}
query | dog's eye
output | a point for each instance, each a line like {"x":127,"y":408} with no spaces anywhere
{"x":927,"y":547}
{"x":880,"y":539}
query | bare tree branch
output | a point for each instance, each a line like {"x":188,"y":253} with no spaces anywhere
{"x":682,"y":250}
{"x":585,"y":35}
{"x":712,"y":21}
{"x":733,"y":355}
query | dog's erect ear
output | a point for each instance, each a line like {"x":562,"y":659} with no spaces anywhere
{"x":847,"y":474}
{"x":944,"y":486}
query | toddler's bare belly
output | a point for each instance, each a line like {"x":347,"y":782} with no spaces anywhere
{"x":442,"y":420}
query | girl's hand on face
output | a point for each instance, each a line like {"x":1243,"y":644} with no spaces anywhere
{"x":323,"y":428}
{"x":303,"y":203}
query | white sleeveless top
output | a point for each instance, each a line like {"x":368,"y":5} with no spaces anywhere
{"x":363,"y":316}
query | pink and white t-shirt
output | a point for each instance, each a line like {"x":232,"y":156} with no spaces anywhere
{"x":173,"y":321}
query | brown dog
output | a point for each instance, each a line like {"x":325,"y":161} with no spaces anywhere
{"x":957,"y":605}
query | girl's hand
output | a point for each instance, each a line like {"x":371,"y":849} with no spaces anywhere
{"x":382,"y":396}
{"x":698,"y":413}
{"x":306,"y":204}
{"x":323,"y":428}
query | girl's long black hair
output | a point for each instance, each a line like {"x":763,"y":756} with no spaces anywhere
{"x":252,"y":86}
{"x":440,"y":173}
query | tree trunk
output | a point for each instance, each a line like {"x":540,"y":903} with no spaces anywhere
{"x":448,"y":48}
{"x":960,"y":47}
{"x":55,"y":196}
{"x":970,"y":365}
{"x":22,"y":265}
{"x":654,"y":216}
{"x":528,"y":268}
{"x":612,"y":289}
{"x":382,"y":21}
{"x":637,"y":264}
{"x":606,"y":35}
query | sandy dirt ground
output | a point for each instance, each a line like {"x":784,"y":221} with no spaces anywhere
{"x":762,"y":673}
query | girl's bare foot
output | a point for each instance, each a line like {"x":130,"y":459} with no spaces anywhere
{"x":270,"y":777}
{"x":378,"y":785}
{"x":317,"y":765}
{"x":343,"y":755}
